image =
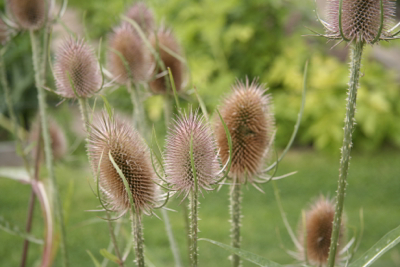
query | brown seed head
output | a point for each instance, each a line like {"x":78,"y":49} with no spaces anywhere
{"x":163,"y":43}
{"x":112,"y":136}
{"x":361,"y":19}
{"x":28,"y":14}
{"x":248,"y":115}
{"x":76,"y":65}
{"x":143,"y":16}
{"x":57,"y":137}
{"x":126,"y":45}
{"x":319,"y":220}
{"x":177,"y":159}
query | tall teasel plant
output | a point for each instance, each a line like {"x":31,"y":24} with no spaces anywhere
{"x":33,"y":16}
{"x":358,"y":22}
{"x":124,"y":173}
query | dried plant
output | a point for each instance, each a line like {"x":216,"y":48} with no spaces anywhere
{"x":76,"y":70}
{"x":128,"y":58}
{"x":169,"y":50}
{"x":109,"y":136}
{"x":28,"y":14}
{"x":248,"y":114}
{"x":143,"y":16}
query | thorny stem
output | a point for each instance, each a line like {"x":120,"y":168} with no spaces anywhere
{"x":139,"y":118}
{"x":235,"y":199}
{"x":193,"y":226}
{"x":349,"y":123}
{"x":84,"y":113}
{"x":114,"y":240}
{"x":47,"y":145}
{"x":138,"y":238}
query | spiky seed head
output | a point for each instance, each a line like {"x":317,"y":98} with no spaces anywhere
{"x":247,"y":112}
{"x":128,"y":57}
{"x":143,"y":16}
{"x":76,"y":67}
{"x":319,"y":221}
{"x":109,"y":135}
{"x":57,"y":137}
{"x":3,"y":33}
{"x":361,"y":19}
{"x":178,"y":167}
{"x":165,"y":38}
{"x":28,"y":14}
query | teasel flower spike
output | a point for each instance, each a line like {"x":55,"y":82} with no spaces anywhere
{"x":143,"y":16}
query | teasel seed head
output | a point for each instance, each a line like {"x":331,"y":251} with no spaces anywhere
{"x":143,"y":16}
{"x":319,"y":221}
{"x":361,"y":19}
{"x":247,"y":112}
{"x":178,"y":167}
{"x":29,"y":14}
{"x":109,"y":135}
{"x":126,"y":45}
{"x":57,"y":137}
{"x":165,"y":38}
{"x":76,"y":67}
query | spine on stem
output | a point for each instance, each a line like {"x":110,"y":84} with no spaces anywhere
{"x":193,"y":226}
{"x":235,"y":208}
{"x":138,"y":238}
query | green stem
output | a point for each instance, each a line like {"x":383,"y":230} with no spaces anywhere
{"x":47,"y":145}
{"x":84,"y":113}
{"x":235,"y":199}
{"x":193,"y":226}
{"x":139,"y":118}
{"x":349,"y":122}
{"x":138,"y":238}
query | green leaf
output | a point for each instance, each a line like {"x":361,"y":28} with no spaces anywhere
{"x":107,"y":106}
{"x":387,"y":242}
{"x":95,"y":261}
{"x":14,"y":230}
{"x":108,"y":255}
{"x":18,"y":174}
{"x":245,"y":255}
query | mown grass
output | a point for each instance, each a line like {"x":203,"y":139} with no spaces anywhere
{"x":374,"y":186}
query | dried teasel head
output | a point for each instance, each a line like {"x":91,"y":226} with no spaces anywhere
{"x":128,"y":57}
{"x":76,"y":70}
{"x":111,"y":136}
{"x":360,"y":20}
{"x":143,"y":16}
{"x":169,"y":50}
{"x":318,"y":230}
{"x":247,"y":113}
{"x":29,"y":14}
{"x":187,"y":129}
{"x":57,"y":137}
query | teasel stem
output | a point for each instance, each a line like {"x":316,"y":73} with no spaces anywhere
{"x":139,"y":117}
{"x":356,"y":55}
{"x":47,"y":143}
{"x":137,"y":232}
{"x":193,"y":226}
{"x":114,"y":240}
{"x":235,"y":199}
{"x":83,"y":106}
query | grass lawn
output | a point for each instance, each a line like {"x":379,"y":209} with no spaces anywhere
{"x":374,"y":186}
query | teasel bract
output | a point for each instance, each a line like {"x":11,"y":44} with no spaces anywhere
{"x":315,"y":232}
{"x":143,"y":16}
{"x":169,"y":53}
{"x":29,"y":14}
{"x":358,"y":22}
{"x":191,"y":164}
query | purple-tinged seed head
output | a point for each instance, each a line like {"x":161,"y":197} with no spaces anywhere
{"x":29,"y":14}
{"x":143,"y":16}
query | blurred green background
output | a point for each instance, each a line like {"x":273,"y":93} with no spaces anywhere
{"x":224,"y":41}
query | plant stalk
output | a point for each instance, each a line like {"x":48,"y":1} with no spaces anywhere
{"x":47,"y":144}
{"x":235,"y":199}
{"x":138,"y":238}
{"x":84,"y":113}
{"x":356,"y":56}
{"x":193,"y":226}
{"x":139,"y":118}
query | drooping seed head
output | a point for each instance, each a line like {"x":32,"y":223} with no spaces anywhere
{"x":28,"y":14}
{"x":165,"y":43}
{"x":319,"y":221}
{"x":361,"y":19}
{"x":109,"y":136}
{"x":247,"y":113}
{"x":143,"y":16}
{"x":57,"y":137}
{"x":178,"y":167}
{"x":76,"y":67}
{"x":128,"y":56}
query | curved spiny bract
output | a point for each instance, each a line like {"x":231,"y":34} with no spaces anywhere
{"x":361,"y":19}
{"x":143,"y":16}
{"x":165,"y":38}
{"x":29,"y":14}
{"x":247,"y":113}
{"x":319,"y":221}
{"x":112,"y":136}
{"x":76,"y":67}
{"x":128,"y":57}
{"x":178,"y":167}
